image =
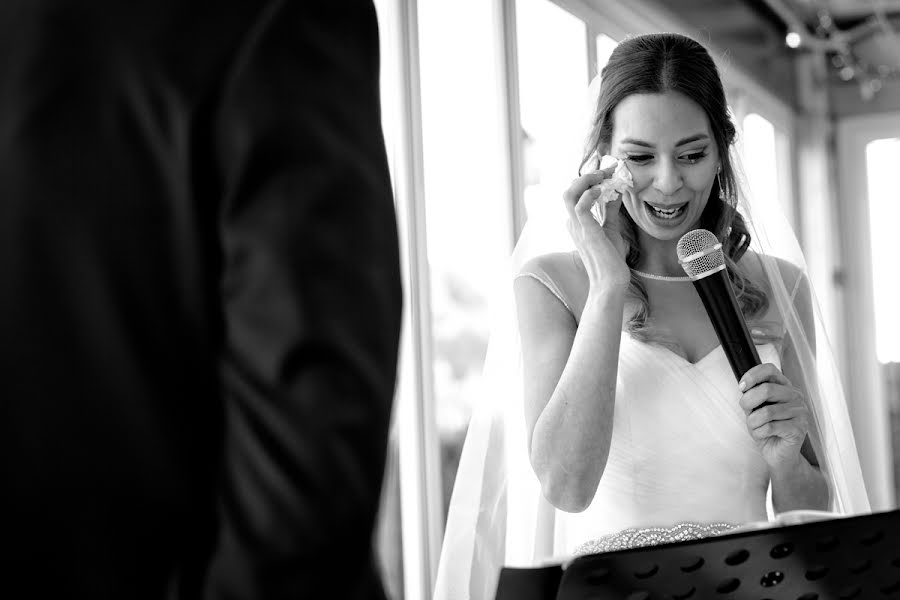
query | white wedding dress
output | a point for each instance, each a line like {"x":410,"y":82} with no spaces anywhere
{"x":681,"y":462}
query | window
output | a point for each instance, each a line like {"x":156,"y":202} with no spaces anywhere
{"x":764,"y":153}
{"x":553,"y":78}
{"x":444,"y":122}
{"x":882,"y":158}
{"x":466,"y":203}
{"x":605,"y":46}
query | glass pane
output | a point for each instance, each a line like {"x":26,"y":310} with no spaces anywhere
{"x":882,"y":158}
{"x":552,"y":58}
{"x":605,"y":46}
{"x":466,"y":200}
{"x":762,"y":151}
{"x":760,"y":158}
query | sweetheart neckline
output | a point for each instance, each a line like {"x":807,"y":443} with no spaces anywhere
{"x":715,"y":350}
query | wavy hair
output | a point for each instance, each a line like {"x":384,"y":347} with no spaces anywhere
{"x":664,"y":62}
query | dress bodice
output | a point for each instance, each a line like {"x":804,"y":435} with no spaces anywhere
{"x":680,"y":449}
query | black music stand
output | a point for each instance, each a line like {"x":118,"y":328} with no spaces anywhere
{"x":840,"y":559}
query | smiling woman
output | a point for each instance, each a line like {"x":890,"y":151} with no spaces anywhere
{"x":665,"y":140}
{"x":610,"y":407}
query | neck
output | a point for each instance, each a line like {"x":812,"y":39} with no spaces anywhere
{"x":659,"y":257}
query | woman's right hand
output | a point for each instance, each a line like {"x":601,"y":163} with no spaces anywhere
{"x":601,"y":247}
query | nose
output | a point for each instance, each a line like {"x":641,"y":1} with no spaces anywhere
{"x":667,"y":179}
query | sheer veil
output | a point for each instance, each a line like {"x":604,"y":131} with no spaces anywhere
{"x":498,"y":516}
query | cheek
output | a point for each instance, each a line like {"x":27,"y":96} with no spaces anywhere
{"x":631,"y":198}
{"x":701,"y":183}
{"x":642,"y":183}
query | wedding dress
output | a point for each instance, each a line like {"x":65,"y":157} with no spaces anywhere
{"x":680,"y":452}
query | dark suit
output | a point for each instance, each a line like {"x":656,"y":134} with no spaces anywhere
{"x":199,"y":298}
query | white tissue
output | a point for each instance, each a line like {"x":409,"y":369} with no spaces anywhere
{"x":621,"y":180}
{"x":612,"y":188}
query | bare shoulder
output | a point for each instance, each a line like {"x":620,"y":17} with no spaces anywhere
{"x":791,"y":274}
{"x":563,"y":274}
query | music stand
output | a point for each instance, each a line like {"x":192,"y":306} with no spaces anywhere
{"x":839,"y":559}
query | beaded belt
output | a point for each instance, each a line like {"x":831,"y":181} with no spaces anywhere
{"x":652,"y":536}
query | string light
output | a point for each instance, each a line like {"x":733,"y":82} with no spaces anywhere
{"x":851,"y":67}
{"x":838,"y":44}
{"x":793,"y":39}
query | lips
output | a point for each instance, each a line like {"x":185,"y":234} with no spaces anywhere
{"x":665,"y":207}
{"x":666,"y":213}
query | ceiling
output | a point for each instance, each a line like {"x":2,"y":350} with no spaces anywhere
{"x":871,"y":26}
{"x":850,"y":10}
{"x":859,"y":37}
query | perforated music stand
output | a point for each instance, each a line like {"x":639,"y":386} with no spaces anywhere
{"x":839,"y":559}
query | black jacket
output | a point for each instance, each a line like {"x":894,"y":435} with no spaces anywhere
{"x":199,"y":298}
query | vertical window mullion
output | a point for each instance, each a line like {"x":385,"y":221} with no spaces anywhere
{"x":514,"y":117}
{"x":591,"y":41}
{"x":420,"y":492}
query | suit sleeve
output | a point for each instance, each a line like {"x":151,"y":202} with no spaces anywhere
{"x":311,"y":298}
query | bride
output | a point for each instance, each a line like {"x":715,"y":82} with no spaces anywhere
{"x":610,"y":417}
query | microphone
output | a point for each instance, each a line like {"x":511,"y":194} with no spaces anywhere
{"x":702,"y":258}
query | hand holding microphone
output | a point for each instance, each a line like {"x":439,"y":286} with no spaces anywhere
{"x":777,"y":416}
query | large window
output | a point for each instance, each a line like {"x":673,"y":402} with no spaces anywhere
{"x":882,"y":158}
{"x":445,"y":128}
{"x":466,"y":203}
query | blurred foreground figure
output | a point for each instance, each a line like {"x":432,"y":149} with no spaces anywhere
{"x":200,"y":299}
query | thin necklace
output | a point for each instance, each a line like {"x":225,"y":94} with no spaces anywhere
{"x":660,"y":277}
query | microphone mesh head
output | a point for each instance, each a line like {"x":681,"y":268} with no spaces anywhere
{"x":699,"y":253}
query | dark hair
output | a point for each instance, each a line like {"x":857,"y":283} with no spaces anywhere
{"x":664,"y":62}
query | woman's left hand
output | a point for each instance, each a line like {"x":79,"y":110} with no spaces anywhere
{"x":780,"y":427}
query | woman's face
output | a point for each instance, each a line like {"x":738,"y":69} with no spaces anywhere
{"x":667,"y":144}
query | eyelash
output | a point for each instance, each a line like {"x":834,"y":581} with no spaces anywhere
{"x":641,"y":159}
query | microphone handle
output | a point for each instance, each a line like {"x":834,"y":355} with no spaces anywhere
{"x":731,"y":329}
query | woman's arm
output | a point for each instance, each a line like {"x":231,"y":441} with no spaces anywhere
{"x":570,"y":386}
{"x":784,"y":430}
{"x":805,"y":487}
{"x":569,"y":370}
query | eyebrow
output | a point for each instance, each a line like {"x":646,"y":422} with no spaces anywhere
{"x":687,"y":140}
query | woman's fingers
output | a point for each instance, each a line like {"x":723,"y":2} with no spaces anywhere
{"x":611,"y":214}
{"x":766,"y":393}
{"x":775,"y":412}
{"x":765,"y":384}
{"x":601,"y":247}
{"x":774,"y":408}
{"x":761,"y":373}
{"x":791,"y":430}
{"x":582,"y":183}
